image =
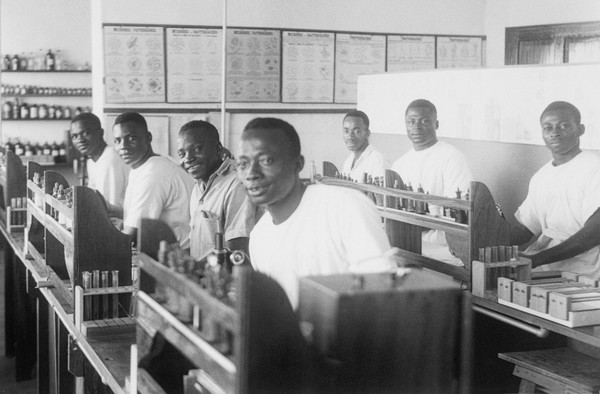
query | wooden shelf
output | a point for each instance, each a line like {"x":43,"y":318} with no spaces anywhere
{"x":45,"y":95}
{"x":46,"y":71}
{"x":37,"y":120}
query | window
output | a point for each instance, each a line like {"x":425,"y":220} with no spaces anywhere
{"x":553,"y":44}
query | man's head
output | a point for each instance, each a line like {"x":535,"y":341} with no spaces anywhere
{"x":561,"y":129}
{"x":132,"y":138}
{"x":421,"y":124}
{"x":270,"y":161}
{"x":199,"y":149}
{"x":356,"y":131}
{"x":87,"y":134}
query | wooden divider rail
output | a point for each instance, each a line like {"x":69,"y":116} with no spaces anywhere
{"x":85,"y":241}
{"x":484,"y":226}
{"x":248,"y":345}
{"x":13,"y":206}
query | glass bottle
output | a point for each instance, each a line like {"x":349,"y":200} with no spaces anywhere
{"x":24,"y":111}
{"x":33,"y":111}
{"x":43,"y":111}
{"x":7,"y":110}
{"x":50,"y":61}
{"x":22,"y":61}
{"x":46,"y":149}
{"x":55,"y":151}
{"x":15,"y":63}
{"x":6,"y":63}
{"x":28,"y":150}
{"x":19,"y":150}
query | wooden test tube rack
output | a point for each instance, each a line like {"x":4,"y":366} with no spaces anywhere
{"x":234,"y":360}
{"x":93,"y":243}
{"x":13,"y":207}
{"x":484,"y":224}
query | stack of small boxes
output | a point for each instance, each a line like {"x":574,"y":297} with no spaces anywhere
{"x":566,"y":298}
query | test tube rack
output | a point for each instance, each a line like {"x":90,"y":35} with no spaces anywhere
{"x":477,"y":224}
{"x":93,"y":243}
{"x":571,"y":299}
{"x":13,"y":205}
{"x":497,"y":262}
{"x":238,"y":345}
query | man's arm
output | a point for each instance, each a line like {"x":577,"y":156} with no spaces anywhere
{"x":132,"y":232}
{"x":580,"y":242}
{"x":519,"y":234}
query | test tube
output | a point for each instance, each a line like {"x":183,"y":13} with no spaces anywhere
{"x":87,"y":301}
{"x":515,"y":252}
{"x":115,"y":297}
{"x":104,"y":278}
{"x":95,"y":299}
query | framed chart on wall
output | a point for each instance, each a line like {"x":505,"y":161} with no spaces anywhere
{"x":409,"y":53}
{"x":253,"y":65}
{"x":356,"y":54}
{"x":308,"y":63}
{"x":194,"y":59}
{"x":134,"y":64}
{"x":458,"y":52}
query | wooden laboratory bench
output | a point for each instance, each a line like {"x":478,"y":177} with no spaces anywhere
{"x":109,"y":356}
{"x":569,"y":361}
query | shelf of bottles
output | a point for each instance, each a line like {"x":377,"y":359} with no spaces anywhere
{"x":41,"y":61}
{"x":45,"y":154}
{"x":20,"y":110}
{"x":43,"y":91}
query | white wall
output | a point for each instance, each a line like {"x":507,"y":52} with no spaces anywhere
{"x":30,"y":25}
{"x":320,"y":133}
{"x":500,"y":14}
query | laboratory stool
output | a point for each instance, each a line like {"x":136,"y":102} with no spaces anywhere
{"x":561,"y":370}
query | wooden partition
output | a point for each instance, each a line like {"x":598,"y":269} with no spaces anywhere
{"x":484,"y":225}
{"x":12,"y":194}
{"x":250,"y":344}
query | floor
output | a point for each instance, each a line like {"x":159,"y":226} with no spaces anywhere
{"x":7,"y":365}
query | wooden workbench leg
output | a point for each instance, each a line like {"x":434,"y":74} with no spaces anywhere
{"x":526,"y":387}
{"x":66,"y":380}
{"x":25,"y":325}
{"x":9,"y":300}
{"x":43,"y":366}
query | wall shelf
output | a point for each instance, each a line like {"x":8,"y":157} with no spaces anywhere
{"x":47,"y":71}
{"x":45,"y":95}
{"x":35,"y":120}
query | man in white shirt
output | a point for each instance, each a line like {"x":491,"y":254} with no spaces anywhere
{"x":219,"y":202}
{"x":436,"y":166}
{"x":107,"y":172}
{"x":363,"y":159}
{"x":562,"y":208}
{"x":307,"y":230}
{"x":158,"y":188}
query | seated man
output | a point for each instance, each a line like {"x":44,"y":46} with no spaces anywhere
{"x":306,"y":230}
{"x":562,"y":207}
{"x":107,"y":172}
{"x":219,"y":201}
{"x":363,"y":159}
{"x":436,"y":166}
{"x":158,"y":188}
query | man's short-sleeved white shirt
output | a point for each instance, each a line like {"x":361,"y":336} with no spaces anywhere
{"x":370,"y":162}
{"x":160,"y":189}
{"x":333,"y":230}
{"x":223,"y":198}
{"x":109,"y":175}
{"x":440,"y":169}
{"x":559,"y":201}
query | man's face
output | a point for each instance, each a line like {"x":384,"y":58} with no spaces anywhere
{"x":199,"y":154}
{"x":86,"y":138}
{"x":561,"y":132}
{"x":421,"y":126}
{"x":356,"y":133}
{"x":266,"y":168}
{"x":132,"y":142}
